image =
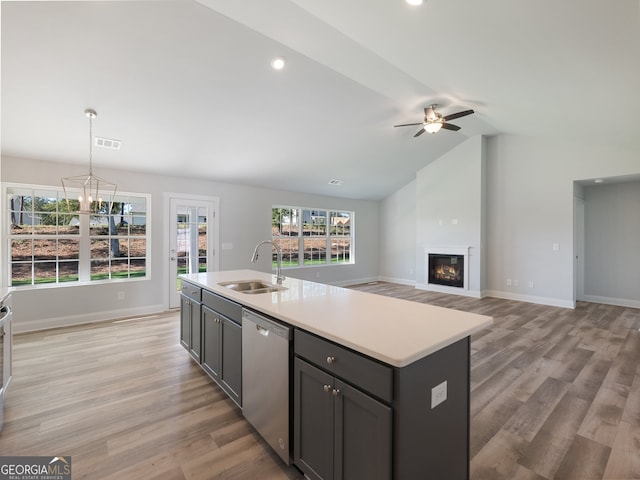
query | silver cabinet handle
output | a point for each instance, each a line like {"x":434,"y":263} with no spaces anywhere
{"x":331,"y":360}
{"x":336,"y":392}
{"x":326,"y":388}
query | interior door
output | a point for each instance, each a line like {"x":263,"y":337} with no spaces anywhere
{"x":193,"y":240}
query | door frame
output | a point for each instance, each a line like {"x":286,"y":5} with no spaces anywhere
{"x":213,"y":231}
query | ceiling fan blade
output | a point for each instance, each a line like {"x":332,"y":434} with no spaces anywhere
{"x":453,"y":116}
{"x":420,"y":132}
{"x":408,"y":124}
{"x":450,"y":126}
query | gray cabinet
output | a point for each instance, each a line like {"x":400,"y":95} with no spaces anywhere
{"x":340,"y":432}
{"x":222,"y":343}
{"x":190,"y":322}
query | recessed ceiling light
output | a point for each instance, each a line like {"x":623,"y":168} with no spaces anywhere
{"x":278,"y":63}
{"x":414,"y":2}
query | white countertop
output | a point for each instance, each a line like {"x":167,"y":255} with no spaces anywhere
{"x":394,"y":331}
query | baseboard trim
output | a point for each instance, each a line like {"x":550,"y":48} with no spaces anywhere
{"x":93,"y":317}
{"x":355,"y":281}
{"x":552,"y":302}
{"x":619,"y":302}
{"x":399,"y":281}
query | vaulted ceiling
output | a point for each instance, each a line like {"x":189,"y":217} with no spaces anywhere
{"x":188,"y":88}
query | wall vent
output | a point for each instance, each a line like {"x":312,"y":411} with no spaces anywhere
{"x":108,"y":143}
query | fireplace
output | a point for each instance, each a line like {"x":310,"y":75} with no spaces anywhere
{"x":446,"y":270}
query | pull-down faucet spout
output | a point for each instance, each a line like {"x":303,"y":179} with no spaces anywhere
{"x":254,"y":258}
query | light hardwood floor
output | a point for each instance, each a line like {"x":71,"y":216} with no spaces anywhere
{"x":555,"y":395}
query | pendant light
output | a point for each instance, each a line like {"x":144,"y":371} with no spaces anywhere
{"x":93,"y":189}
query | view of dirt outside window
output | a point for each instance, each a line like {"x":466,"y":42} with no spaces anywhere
{"x":46,"y":238}
{"x":312,"y":237}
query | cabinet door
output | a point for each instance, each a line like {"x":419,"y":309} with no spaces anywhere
{"x":185,"y":321}
{"x":363,"y":435}
{"x":195,"y":331}
{"x":231,"y":371}
{"x":313,"y":431}
{"x":211,"y":343}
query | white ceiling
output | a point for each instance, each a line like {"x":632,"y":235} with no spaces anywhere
{"x":188,"y":88}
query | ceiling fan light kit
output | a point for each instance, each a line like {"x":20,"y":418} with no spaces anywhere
{"x":434,"y":121}
{"x":432,"y":127}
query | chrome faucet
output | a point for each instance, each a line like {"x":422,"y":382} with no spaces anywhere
{"x":254,"y":258}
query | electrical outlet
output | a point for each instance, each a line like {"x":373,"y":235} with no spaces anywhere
{"x":121,"y":295}
{"x":438,"y":394}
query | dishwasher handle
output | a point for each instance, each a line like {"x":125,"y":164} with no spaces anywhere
{"x":267,"y":326}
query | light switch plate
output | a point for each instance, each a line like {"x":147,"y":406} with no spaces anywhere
{"x":438,"y":394}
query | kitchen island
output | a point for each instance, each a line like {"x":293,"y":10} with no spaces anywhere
{"x":392,"y":375}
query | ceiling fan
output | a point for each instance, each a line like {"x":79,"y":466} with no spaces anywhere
{"x":434,"y":121}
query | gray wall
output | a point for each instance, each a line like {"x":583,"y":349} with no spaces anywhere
{"x":611,"y":243}
{"x":529,"y":195}
{"x":245,"y":219}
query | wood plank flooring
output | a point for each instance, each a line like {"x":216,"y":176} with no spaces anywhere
{"x":555,"y":395}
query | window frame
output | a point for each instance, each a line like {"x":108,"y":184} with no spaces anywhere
{"x":84,"y":237}
{"x":299,"y":228}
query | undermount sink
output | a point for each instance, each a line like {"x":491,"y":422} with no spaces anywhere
{"x":252,"y":287}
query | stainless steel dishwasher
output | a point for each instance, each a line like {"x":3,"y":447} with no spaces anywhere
{"x":265,"y":379}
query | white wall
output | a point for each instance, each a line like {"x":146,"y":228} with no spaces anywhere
{"x":398,"y":236}
{"x":612,"y":239}
{"x":245,"y":219}
{"x":529,"y":194}
{"x":449,"y":212}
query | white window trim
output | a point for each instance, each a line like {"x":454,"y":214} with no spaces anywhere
{"x":328,"y":263}
{"x":6,"y":239}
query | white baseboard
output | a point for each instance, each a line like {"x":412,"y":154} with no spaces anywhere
{"x":92,"y":317}
{"x":552,"y":302}
{"x":399,"y":281}
{"x":620,"y":302}
{"x":355,"y":281}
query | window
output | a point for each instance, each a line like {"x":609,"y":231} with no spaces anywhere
{"x":50,"y":243}
{"x":312,"y":236}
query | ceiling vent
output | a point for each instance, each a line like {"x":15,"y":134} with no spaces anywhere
{"x":108,"y":143}
{"x":336,"y":182}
